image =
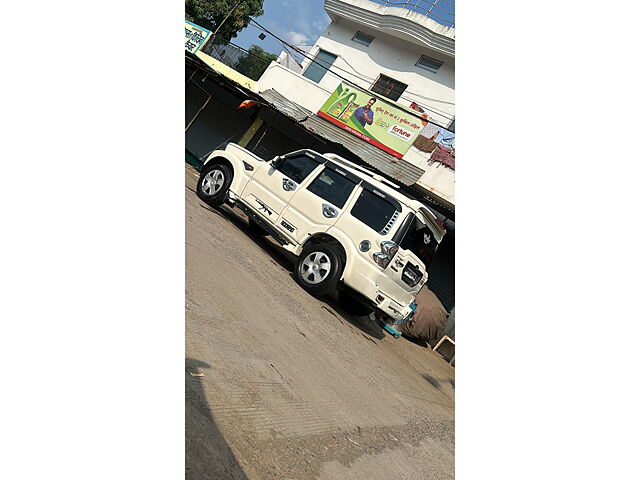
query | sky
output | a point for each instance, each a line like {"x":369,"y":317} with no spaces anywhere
{"x":299,"y":22}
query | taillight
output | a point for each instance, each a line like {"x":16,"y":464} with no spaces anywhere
{"x":389,"y":249}
{"x":381,"y":259}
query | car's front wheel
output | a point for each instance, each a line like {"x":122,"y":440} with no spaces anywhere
{"x":318,"y":269}
{"x":213,"y":184}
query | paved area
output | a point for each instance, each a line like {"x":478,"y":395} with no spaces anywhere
{"x":292,"y":387}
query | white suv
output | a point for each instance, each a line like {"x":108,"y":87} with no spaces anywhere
{"x":351,"y":229}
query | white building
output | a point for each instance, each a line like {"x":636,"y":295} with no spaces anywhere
{"x":397,"y":53}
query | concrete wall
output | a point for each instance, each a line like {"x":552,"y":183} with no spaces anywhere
{"x":436,"y":178}
{"x":293,"y":86}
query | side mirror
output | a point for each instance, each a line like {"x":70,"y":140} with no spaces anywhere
{"x":276,"y":162}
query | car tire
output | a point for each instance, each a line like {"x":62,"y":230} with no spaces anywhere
{"x":353,"y":306}
{"x":213,"y":184}
{"x":318,"y":269}
{"x":256,"y":229}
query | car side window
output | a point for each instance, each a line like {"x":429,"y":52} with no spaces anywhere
{"x":297,"y":168}
{"x":332,"y":187}
{"x":373,"y":211}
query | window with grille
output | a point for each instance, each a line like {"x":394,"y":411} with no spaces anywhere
{"x":362,"y":38}
{"x":429,"y":63}
{"x":388,"y":87}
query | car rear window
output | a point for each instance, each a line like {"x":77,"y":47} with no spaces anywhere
{"x":373,"y":211}
{"x":332,"y":187}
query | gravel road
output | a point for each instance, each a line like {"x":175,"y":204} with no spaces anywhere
{"x":293,"y":387}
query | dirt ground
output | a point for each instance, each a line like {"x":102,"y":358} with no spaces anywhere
{"x":294,"y":388}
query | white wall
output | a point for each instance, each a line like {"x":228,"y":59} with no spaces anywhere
{"x":293,"y":86}
{"x":392,"y":57}
{"x":436,"y":177}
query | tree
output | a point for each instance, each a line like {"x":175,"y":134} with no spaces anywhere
{"x":211,"y":13}
{"x":255,"y":62}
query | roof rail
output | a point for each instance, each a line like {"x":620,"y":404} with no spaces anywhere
{"x":344,"y":161}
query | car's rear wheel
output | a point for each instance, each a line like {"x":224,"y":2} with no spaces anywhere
{"x":213,"y":184}
{"x":318,"y":269}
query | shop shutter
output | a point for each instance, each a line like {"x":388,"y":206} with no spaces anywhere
{"x":194,"y":99}
{"x":269,"y":142}
{"x":287,"y":145}
{"x":265,"y":141}
{"x":441,"y":279}
{"x":216,"y":125}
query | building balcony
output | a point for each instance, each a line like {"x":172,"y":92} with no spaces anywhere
{"x":423,"y":22}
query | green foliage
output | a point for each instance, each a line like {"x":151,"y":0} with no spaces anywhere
{"x":254,"y":64}
{"x":210,"y":13}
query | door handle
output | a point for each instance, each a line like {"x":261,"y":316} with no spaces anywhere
{"x":288,"y":185}
{"x":328,"y":211}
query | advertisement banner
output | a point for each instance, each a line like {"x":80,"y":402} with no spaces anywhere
{"x":369,"y":117}
{"x":195,"y":36}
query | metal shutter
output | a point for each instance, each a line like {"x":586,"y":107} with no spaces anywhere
{"x":265,"y":141}
{"x":273,"y":142}
{"x":194,"y":99}
{"x":216,"y":125}
{"x":287,"y":145}
{"x":441,"y":279}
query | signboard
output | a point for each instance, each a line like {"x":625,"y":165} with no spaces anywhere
{"x":195,"y":36}
{"x":367,"y":116}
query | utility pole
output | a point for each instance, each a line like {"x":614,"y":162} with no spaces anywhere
{"x":213,"y":35}
{"x":225,"y":19}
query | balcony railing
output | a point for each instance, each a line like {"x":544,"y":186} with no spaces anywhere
{"x":442,"y":11}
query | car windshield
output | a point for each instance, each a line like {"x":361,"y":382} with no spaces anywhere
{"x":420,"y":240}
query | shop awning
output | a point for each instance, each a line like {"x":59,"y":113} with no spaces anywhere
{"x":397,"y":169}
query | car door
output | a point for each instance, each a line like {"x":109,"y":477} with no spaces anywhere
{"x":416,"y":249}
{"x":275,"y":183}
{"x":319,"y":204}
